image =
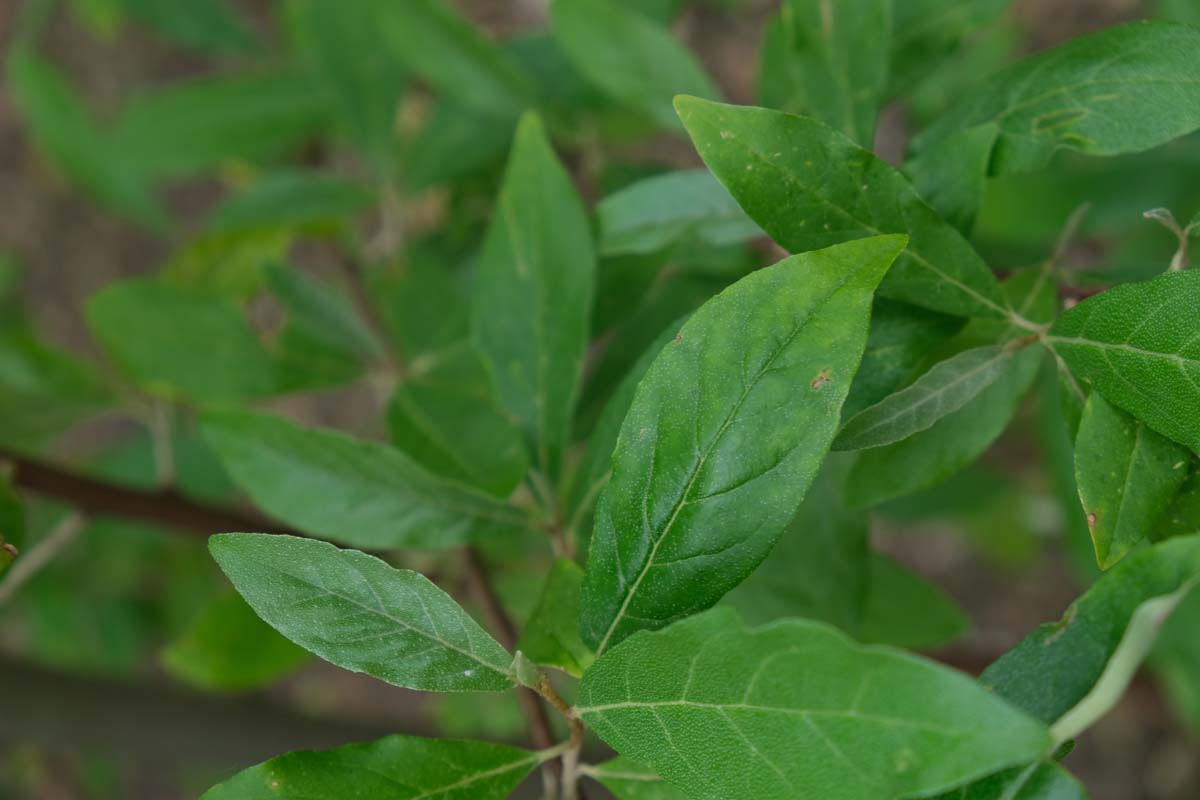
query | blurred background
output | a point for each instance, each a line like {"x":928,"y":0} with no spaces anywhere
{"x":110,"y":686}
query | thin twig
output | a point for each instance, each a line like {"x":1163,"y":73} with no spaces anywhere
{"x":41,"y":554}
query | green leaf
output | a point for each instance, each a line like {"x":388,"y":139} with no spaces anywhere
{"x":12,"y":516}
{"x":393,"y":768}
{"x":796,"y":710}
{"x":43,"y":390}
{"x":455,"y":57}
{"x":322,"y":316}
{"x":654,"y":213}
{"x":1121,"y":90}
{"x":954,"y":441}
{"x":361,"y":614}
{"x":181,"y":342}
{"x":809,"y":186}
{"x":1037,"y":781}
{"x":926,"y":31}
{"x":629,"y":56}
{"x":944,"y":389}
{"x":305,"y":201}
{"x":551,"y":636}
{"x":533,"y":294}
{"x":421,"y":303}
{"x":829,"y":61}
{"x":203,"y":24}
{"x":951,"y":175}
{"x":904,"y":610}
{"x":1071,"y":672}
{"x":1127,"y":475}
{"x":360,"y":493}
{"x":1182,"y":516}
{"x":629,"y":780}
{"x":229,"y":649}
{"x":1176,"y":659}
{"x":444,"y":416}
{"x":718,"y":448}
{"x":1136,"y":345}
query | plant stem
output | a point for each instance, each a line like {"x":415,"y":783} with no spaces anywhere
{"x":42,"y":553}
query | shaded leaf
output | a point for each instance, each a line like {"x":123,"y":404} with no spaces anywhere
{"x":304,"y":201}
{"x":551,"y":635}
{"x":951,"y":175}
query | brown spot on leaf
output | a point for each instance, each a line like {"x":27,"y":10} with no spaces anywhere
{"x":1091,"y":518}
{"x":822,"y":378}
{"x":8,"y":548}
{"x":678,"y":338}
{"x":1061,"y":626}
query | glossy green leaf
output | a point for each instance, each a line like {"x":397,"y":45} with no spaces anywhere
{"x":393,"y":768}
{"x":628,"y":780}
{"x":533,"y":294}
{"x":1123,"y":89}
{"x":944,"y":389}
{"x":181,"y":342}
{"x":551,"y":635}
{"x":952,"y":175}
{"x":796,"y":710}
{"x":629,"y":56}
{"x":306,"y":201}
{"x":1127,"y":475}
{"x":360,"y":493}
{"x":1137,"y":345}
{"x":809,"y":186}
{"x":725,"y":434}
{"x":829,"y":61}
{"x":361,"y":614}
{"x":444,"y":416}
{"x":688,"y":205}
{"x":1071,"y":672}
{"x":229,"y":649}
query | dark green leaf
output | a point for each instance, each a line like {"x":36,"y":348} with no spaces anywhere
{"x":394,"y":768}
{"x":951,"y":175}
{"x":43,"y":390}
{"x":796,"y":710}
{"x":357,"y":492}
{"x":926,"y":31}
{"x":809,"y":186}
{"x":724,"y":436}
{"x":551,"y":636}
{"x":204,"y":24}
{"x":1037,"y":781}
{"x":359,"y":613}
{"x":305,"y":201}
{"x":903,"y":610}
{"x":533,"y":294}
{"x":1182,"y":516}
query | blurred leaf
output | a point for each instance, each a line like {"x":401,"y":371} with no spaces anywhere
{"x":306,"y":201}
{"x":829,"y":61}
{"x":444,"y":414}
{"x":904,"y":610}
{"x":204,"y":24}
{"x":952,"y":174}
{"x":490,"y":715}
{"x":1182,"y":516}
{"x":12,"y":516}
{"x":455,"y":142}
{"x":926,"y":31}
{"x":1037,"y":781}
{"x":1127,"y":475}
{"x":361,"y":493}
{"x":229,"y":649}
{"x":181,"y":342}
{"x":43,"y":390}
{"x":551,"y":635}
{"x":1178,"y":10}
{"x":232,"y":264}
{"x":1176,"y":659}
{"x":422,"y":302}
{"x":325,"y":315}
{"x":629,"y":56}
{"x":660,"y":211}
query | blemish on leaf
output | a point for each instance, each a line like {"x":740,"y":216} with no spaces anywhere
{"x":1091,"y":520}
{"x":726,"y":134}
{"x":904,"y":760}
{"x":1061,"y":626}
{"x":678,"y":338}
{"x":823,"y":377}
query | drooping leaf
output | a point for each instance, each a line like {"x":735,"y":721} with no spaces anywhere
{"x":361,"y":614}
{"x":182,"y":342}
{"x":229,"y":649}
{"x":724,"y":436}
{"x":1071,"y":672}
{"x":829,"y":61}
{"x":533,"y":294}
{"x":1127,"y":475}
{"x":629,"y":56}
{"x":310,"y":202}
{"x":444,"y":416}
{"x":360,"y":493}
{"x":628,"y":780}
{"x":796,"y":710}
{"x":949,"y":386}
{"x":809,"y":186}
{"x":551,"y":635}
{"x":660,"y":211}
{"x":951,"y":175}
{"x":1137,"y":345}
{"x":393,"y":768}
{"x":1123,"y":89}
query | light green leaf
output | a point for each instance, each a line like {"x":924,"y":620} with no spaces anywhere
{"x":688,"y":205}
{"x":551,"y":635}
{"x":360,"y":493}
{"x":628,"y":56}
{"x":393,"y":768}
{"x":809,"y":186}
{"x":1138,"y":346}
{"x":361,"y":614}
{"x":533,"y":294}
{"x":1070,"y":673}
{"x":1037,"y":781}
{"x":629,"y":780}
{"x":725,"y":434}
{"x":444,"y":416}
{"x":944,"y":389}
{"x":229,"y":649}
{"x":795,"y":710}
{"x":829,"y":60}
{"x":1121,"y":90}
{"x":1127,"y":475}
{"x":305,"y":201}
{"x":182,"y":342}
{"x":952,"y":174}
